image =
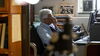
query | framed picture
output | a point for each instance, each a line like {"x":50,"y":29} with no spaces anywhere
{"x":87,"y":5}
{"x":66,"y":9}
{"x":48,"y":7}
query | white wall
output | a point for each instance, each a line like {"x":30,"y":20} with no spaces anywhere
{"x":80,"y":21}
{"x":54,"y":3}
{"x":98,"y":4}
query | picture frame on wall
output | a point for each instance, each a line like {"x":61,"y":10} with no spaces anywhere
{"x":48,"y":7}
{"x":66,"y":9}
{"x":87,"y":5}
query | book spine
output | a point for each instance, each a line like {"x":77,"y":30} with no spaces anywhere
{"x":3,"y":35}
{"x":0,"y":33}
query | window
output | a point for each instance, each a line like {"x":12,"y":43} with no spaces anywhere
{"x":98,"y":4}
{"x":85,"y":6}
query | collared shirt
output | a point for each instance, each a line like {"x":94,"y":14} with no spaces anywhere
{"x":44,"y":32}
{"x":54,"y":28}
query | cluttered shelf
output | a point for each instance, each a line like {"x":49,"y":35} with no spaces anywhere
{"x":3,"y":51}
{"x":4,"y":35}
{"x":3,"y":15}
{"x":60,"y":19}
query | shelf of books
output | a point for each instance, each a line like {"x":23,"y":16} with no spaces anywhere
{"x":3,"y":35}
{"x":3,"y":15}
{"x":10,"y":20}
{"x":3,"y":51}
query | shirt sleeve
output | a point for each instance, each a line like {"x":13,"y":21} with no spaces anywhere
{"x":45,"y":37}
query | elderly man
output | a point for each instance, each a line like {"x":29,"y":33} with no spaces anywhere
{"x":47,"y":26}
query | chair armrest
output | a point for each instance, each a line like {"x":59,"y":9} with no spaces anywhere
{"x":33,"y":45}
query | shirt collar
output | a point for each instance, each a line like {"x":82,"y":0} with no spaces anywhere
{"x":44,"y":25}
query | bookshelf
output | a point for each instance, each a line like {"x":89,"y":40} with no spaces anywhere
{"x":4,"y":35}
{"x":10,"y":19}
{"x":4,"y":5}
{"x":3,"y":51}
{"x":60,"y":19}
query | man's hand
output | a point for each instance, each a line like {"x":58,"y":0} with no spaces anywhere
{"x":54,"y":21}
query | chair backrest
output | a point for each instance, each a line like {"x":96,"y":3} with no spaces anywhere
{"x":37,"y":40}
{"x":33,"y":49}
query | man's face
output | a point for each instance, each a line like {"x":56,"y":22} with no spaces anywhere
{"x":50,"y":19}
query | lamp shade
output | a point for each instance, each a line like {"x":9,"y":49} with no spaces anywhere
{"x":19,"y":2}
{"x":32,"y":1}
{"x":22,"y":2}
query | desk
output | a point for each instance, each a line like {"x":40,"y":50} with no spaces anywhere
{"x":82,"y":45}
{"x":88,"y":48}
{"x":93,"y":48}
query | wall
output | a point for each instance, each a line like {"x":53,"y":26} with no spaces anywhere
{"x":55,"y":4}
{"x":78,"y":18}
{"x":80,"y":21}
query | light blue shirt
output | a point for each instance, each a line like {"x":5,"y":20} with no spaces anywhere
{"x":44,"y":32}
